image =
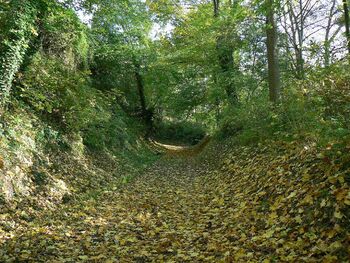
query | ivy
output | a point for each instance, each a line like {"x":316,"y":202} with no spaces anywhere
{"x":20,"y":28}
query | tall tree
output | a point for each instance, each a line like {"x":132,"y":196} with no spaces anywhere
{"x":122,"y":29}
{"x":298,"y":22}
{"x":216,"y":5}
{"x":347,"y":22}
{"x":272,"y":55}
{"x":225,"y":56}
{"x":146,"y":112}
{"x":329,"y":35}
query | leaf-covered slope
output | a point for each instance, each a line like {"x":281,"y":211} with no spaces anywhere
{"x":288,"y":201}
{"x":42,"y":167}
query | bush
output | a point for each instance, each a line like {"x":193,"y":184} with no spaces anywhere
{"x":54,"y":80}
{"x":316,"y":108}
{"x":179,"y":132}
{"x":110,"y":133}
{"x":64,"y":36}
{"x":109,"y":127}
{"x":332,"y":87}
{"x":61,"y":94}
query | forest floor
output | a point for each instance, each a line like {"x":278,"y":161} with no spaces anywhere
{"x":183,"y":209}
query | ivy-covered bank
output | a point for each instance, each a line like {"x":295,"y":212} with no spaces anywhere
{"x":41,"y":166}
{"x":19,"y":27}
{"x":60,"y":135}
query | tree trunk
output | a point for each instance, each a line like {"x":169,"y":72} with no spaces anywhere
{"x":300,"y":63}
{"x":272,"y":56}
{"x":347,"y":23}
{"x":226,"y":62}
{"x":20,"y":28}
{"x":298,"y":12}
{"x":147,"y":114}
{"x":327,"y":44}
{"x":225,"y":54}
{"x":330,"y":36}
{"x":327,"y":54}
{"x":216,"y":4}
{"x":300,"y":56}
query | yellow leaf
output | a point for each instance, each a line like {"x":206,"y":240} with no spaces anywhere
{"x":34,"y":31}
{"x":308,"y":200}
{"x":338,"y":215}
{"x":306,"y":178}
{"x":335,"y":245}
{"x":269,"y":233}
{"x":298,"y":219}
{"x":83,"y":257}
{"x":331,"y":233}
{"x":239,"y":254}
{"x":273,"y":215}
{"x":292,"y":194}
{"x":194,"y":254}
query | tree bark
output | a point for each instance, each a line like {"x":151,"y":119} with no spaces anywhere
{"x":216,"y":4}
{"x":297,"y":27}
{"x":272,"y":56}
{"x":147,"y":114}
{"x":328,"y":37}
{"x":347,"y":23}
{"x":300,"y":55}
{"x":225,"y":57}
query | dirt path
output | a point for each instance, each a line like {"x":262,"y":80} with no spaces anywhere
{"x":169,"y":213}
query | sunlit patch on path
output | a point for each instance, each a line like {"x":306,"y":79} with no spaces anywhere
{"x":180,"y":150}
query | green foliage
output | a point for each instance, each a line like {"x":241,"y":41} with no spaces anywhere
{"x":56,"y":80}
{"x":64,"y":36}
{"x":332,"y":88}
{"x":19,"y":26}
{"x":108,"y":130}
{"x":179,"y":132}
{"x":120,"y":31}
{"x":59,"y":93}
{"x":316,"y":108}
{"x":56,"y":83}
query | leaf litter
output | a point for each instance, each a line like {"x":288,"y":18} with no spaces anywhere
{"x":283,"y":203}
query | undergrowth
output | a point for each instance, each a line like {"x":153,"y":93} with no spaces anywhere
{"x":316,"y":109}
{"x":181,"y":132}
